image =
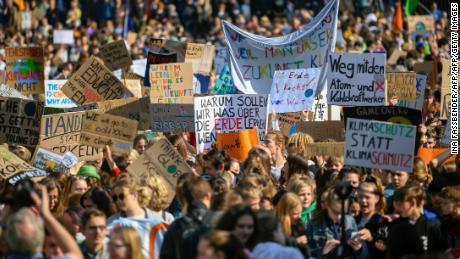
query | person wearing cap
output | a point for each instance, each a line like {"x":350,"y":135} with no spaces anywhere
{"x":89,"y":171}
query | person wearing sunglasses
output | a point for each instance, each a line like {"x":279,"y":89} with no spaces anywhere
{"x":94,"y":225}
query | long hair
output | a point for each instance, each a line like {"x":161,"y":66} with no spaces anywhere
{"x":227,"y":243}
{"x":288,"y":202}
{"x":131,"y":238}
{"x":377,"y":189}
{"x":229,"y":221}
{"x":421,"y":172}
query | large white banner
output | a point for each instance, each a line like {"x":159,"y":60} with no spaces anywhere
{"x":254,"y":59}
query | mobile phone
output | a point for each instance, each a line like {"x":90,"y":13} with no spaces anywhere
{"x":355,"y":236}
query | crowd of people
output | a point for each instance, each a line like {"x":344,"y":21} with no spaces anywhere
{"x":279,"y":202}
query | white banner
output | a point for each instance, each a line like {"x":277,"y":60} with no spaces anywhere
{"x":254,"y":59}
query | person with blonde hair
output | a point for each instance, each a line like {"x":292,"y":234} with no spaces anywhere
{"x":124,"y":243}
{"x":421,"y":173}
{"x":154,"y":195}
{"x":304,"y":187}
{"x":275,"y":141}
{"x":299,"y":140}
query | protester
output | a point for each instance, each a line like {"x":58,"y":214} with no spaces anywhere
{"x":124,"y":243}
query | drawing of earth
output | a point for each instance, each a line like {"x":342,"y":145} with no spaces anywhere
{"x":24,"y":66}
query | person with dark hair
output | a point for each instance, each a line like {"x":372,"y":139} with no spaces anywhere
{"x":54,"y":191}
{"x":242,"y":222}
{"x":215,"y":161}
{"x":295,"y":164}
{"x":96,"y":197}
{"x":94,"y":226}
{"x":221,"y":244}
{"x":140,"y":143}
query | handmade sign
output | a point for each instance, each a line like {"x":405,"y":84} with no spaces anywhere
{"x":356,"y":79}
{"x":395,"y":55}
{"x":14,"y":169}
{"x":171,"y":82}
{"x":420,"y":25}
{"x":115,"y":55}
{"x":172,"y":117}
{"x":100,"y":130}
{"x":130,"y":108}
{"x":293,"y":90}
{"x":325,"y":148}
{"x":375,"y":144}
{"x":427,"y":68}
{"x":401,"y":85}
{"x":420,"y":83}
{"x":7,"y":91}
{"x":322,"y":130}
{"x":254,"y":59}
{"x":60,"y":133}
{"x":221,"y":59}
{"x":238,"y":144}
{"x":55,"y":97}
{"x":157,"y":58}
{"x":48,"y":161}
{"x":393,"y":114}
{"x":446,"y":93}
{"x":428,"y":154}
{"x":228,"y":113}
{"x":163,"y":160}
{"x":93,"y":82}
{"x":168,"y":47}
{"x":63,"y":37}
{"x":201,"y":57}
{"x":133,"y":86}
{"x":224,"y":84}
{"x":20,"y":121}
{"x":24,"y":69}
{"x":284,"y":122}
{"x":322,"y":111}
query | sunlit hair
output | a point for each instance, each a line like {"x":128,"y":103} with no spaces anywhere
{"x":153,"y":193}
{"x":409,"y":193}
{"x":421,"y":172}
{"x":298,"y":182}
{"x":451,"y":193}
{"x":376,"y":185}
{"x":131,"y":238}
{"x":288,"y":202}
{"x":300,"y":140}
{"x":278,"y":138}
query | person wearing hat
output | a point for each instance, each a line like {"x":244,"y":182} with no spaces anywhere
{"x":89,"y":171}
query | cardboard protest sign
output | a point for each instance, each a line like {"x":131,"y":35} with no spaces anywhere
{"x":285,"y":122}
{"x":376,"y":144}
{"x":133,"y":86}
{"x":14,"y":169}
{"x":154,"y":58}
{"x":48,"y":161}
{"x":356,"y":79}
{"x":163,"y":160}
{"x":325,"y":148}
{"x":100,"y":130}
{"x":322,"y":130}
{"x":201,"y":57}
{"x":395,"y":55}
{"x":93,"y":82}
{"x":420,"y":84}
{"x":238,"y":144}
{"x":63,"y":37}
{"x":224,"y":84}
{"x":401,"y":85}
{"x":20,"y":121}
{"x":171,"y":82}
{"x":60,"y":133}
{"x":55,"y":97}
{"x":168,"y":47}
{"x":130,"y":108}
{"x":7,"y":91}
{"x":24,"y":69}
{"x":254,"y":58}
{"x":293,"y":90}
{"x":427,"y":68}
{"x":228,"y":113}
{"x":172,"y":117}
{"x":446,"y":91}
{"x":115,"y":55}
{"x":221,"y":59}
{"x":420,"y":25}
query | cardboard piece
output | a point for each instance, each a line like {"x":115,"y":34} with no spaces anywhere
{"x":14,"y":169}
{"x":162,"y":160}
{"x":322,"y":130}
{"x":24,"y":69}
{"x":154,"y":58}
{"x":293,"y":90}
{"x":115,"y":55}
{"x":420,"y":86}
{"x":402,"y":85}
{"x":201,"y":56}
{"x":356,"y":79}
{"x":446,"y":91}
{"x":7,"y":91}
{"x":130,"y":108}
{"x":376,"y":144}
{"x":325,"y":149}
{"x":100,"y":130}
{"x":238,"y":144}
{"x":395,"y":55}
{"x":172,"y":117}
{"x":60,"y":133}
{"x":420,"y":25}
{"x":133,"y":86}
{"x":63,"y":37}
{"x":20,"y":121}
{"x":55,"y":97}
{"x":171,"y":82}
{"x":427,"y":68}
{"x":93,"y":82}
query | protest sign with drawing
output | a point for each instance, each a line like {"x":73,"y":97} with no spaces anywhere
{"x":163,"y":160}
{"x":224,"y":84}
{"x":171,"y":83}
{"x":427,"y":68}
{"x":420,"y":84}
{"x":115,"y":55}
{"x":172,"y":117}
{"x":228,"y":113}
{"x":100,"y":130}
{"x":14,"y":169}
{"x":420,"y":25}
{"x":93,"y":82}
{"x":401,"y":85}
{"x":376,"y":144}
{"x":24,"y":69}
{"x":201,"y":57}
{"x":48,"y":161}
{"x":293,"y":90}
{"x":54,"y":97}
{"x":356,"y":79}
{"x":238,"y":144}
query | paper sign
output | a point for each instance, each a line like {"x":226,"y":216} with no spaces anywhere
{"x":420,"y":83}
{"x":221,"y":59}
{"x":168,"y":47}
{"x":171,"y":82}
{"x":93,"y":82}
{"x":63,"y":37}
{"x":69,"y":160}
{"x":293,"y":90}
{"x":228,"y":113}
{"x":356,"y":79}
{"x":325,"y":149}
{"x":20,"y":121}
{"x":163,"y":160}
{"x":427,"y":68}
{"x":115,"y":55}
{"x":401,"y":85}
{"x":172,"y":117}
{"x":48,"y":161}
{"x":24,"y":69}
{"x":395,"y":55}
{"x":14,"y":169}
{"x":285,"y":122}
{"x":7,"y":91}
{"x":134,"y":86}
{"x":446,"y":91}
{"x":238,"y":144}
{"x":201,"y":57}
{"x":420,"y":25}
{"x":322,"y":130}
{"x":322,"y":111}
{"x":100,"y":130}
{"x":55,"y":97}
{"x":384,"y":145}
{"x":154,"y":58}
{"x":224,"y":84}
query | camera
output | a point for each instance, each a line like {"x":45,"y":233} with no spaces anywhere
{"x":21,"y":195}
{"x":343,"y":189}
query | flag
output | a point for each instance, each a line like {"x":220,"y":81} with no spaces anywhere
{"x":398,"y":21}
{"x":411,"y":5}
